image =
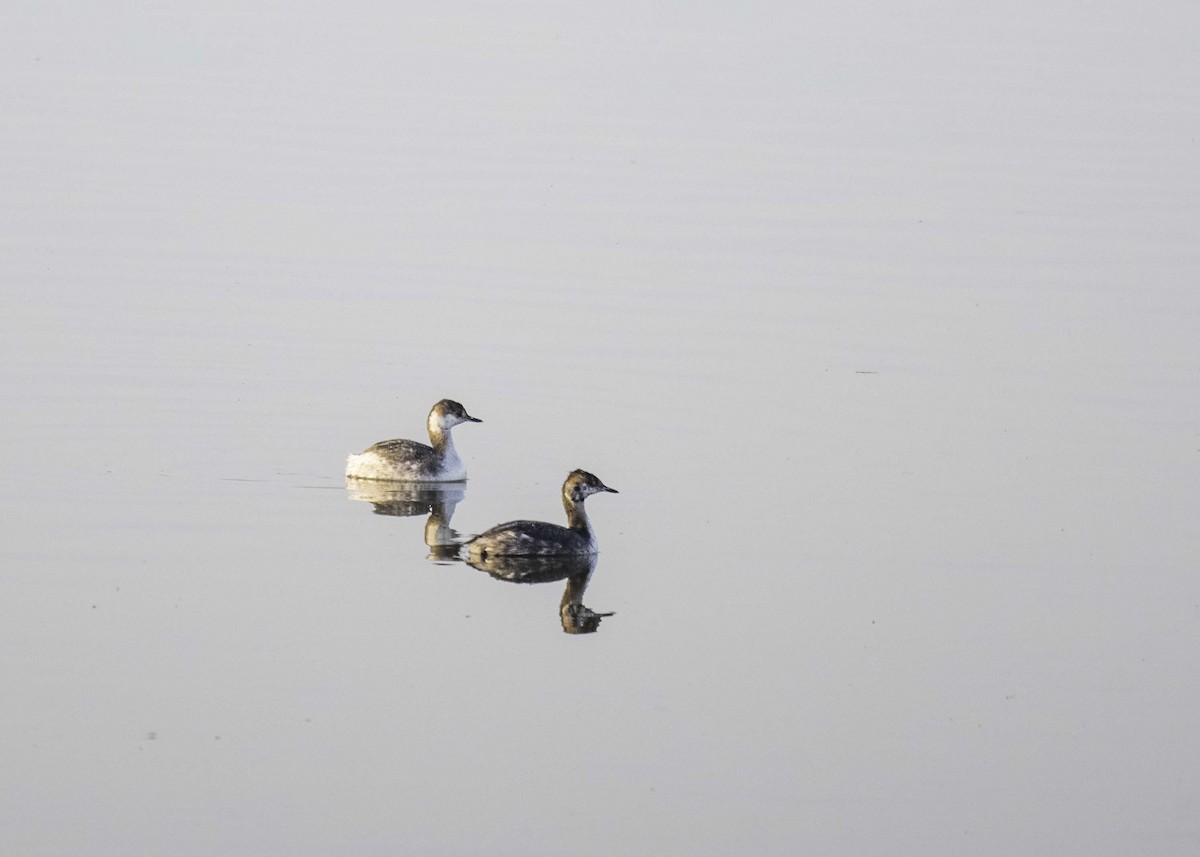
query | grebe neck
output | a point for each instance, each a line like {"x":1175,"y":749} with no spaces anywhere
{"x":439,"y":438}
{"x":577,"y":518}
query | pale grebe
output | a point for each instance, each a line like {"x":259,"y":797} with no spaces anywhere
{"x":538,"y":538}
{"x":409,"y":461}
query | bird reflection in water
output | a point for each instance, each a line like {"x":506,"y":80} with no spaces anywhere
{"x":438,"y":500}
{"x":576,"y":569}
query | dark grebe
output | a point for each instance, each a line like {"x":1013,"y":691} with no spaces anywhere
{"x":538,"y":538}
{"x":409,"y":461}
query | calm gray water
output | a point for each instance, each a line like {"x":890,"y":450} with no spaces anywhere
{"x":882,"y":318}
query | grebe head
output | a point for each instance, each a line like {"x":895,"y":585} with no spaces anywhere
{"x":448,"y":413}
{"x":581,"y":484}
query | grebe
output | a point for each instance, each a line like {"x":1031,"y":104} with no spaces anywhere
{"x":538,"y":538}
{"x":410,"y":461}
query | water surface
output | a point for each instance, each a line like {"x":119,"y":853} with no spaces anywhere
{"x":882,"y":320}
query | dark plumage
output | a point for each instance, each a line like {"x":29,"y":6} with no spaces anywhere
{"x":539,"y":538}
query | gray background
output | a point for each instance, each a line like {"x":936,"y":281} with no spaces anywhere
{"x":881,"y":316}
